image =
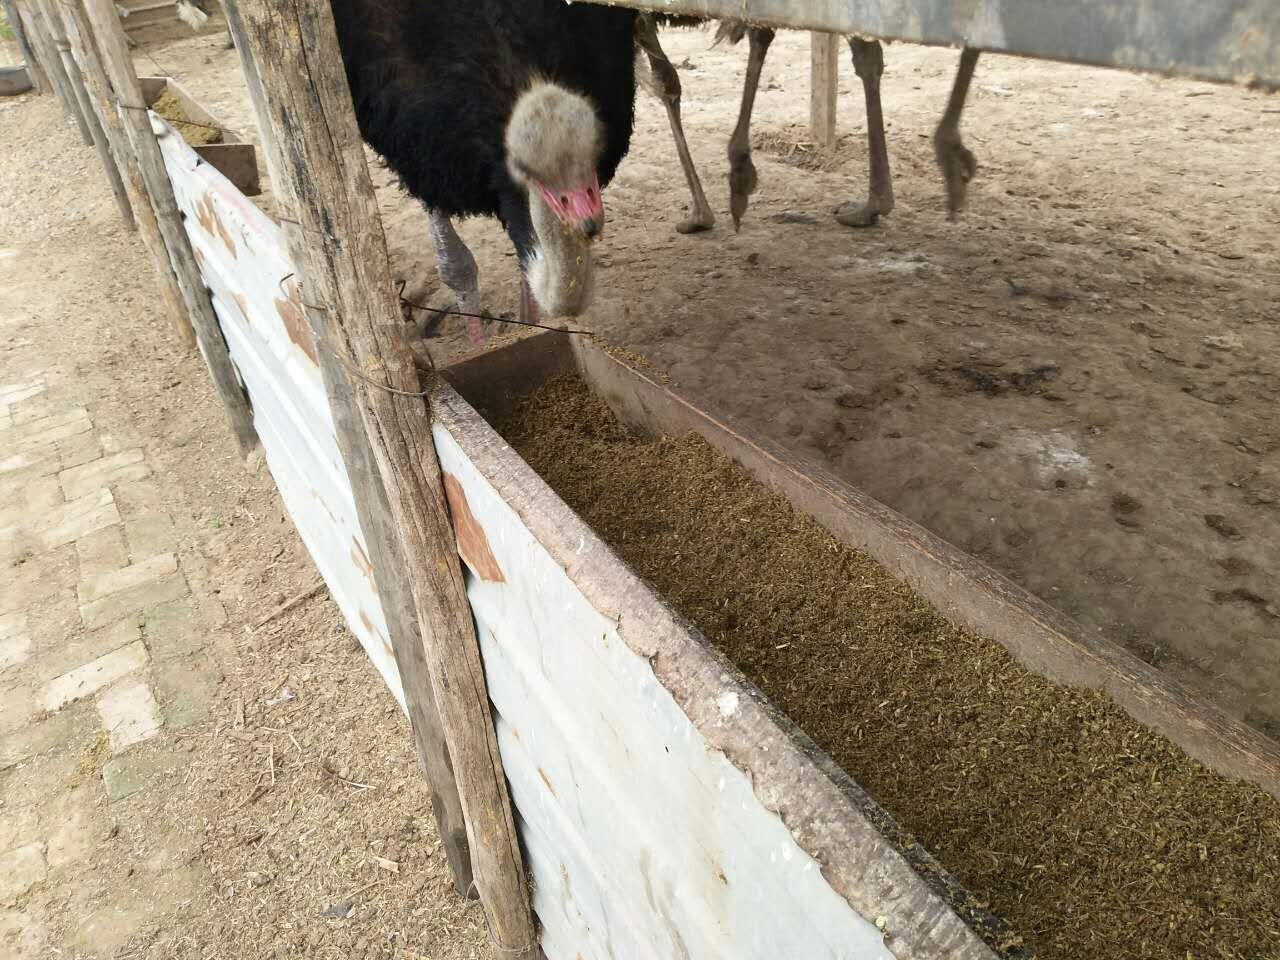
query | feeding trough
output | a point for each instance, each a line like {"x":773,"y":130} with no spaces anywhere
{"x":14,"y":80}
{"x":213,"y":142}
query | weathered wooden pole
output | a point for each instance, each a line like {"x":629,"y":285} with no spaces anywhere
{"x":114,"y":52}
{"x":103,"y":99}
{"x":58,"y":30}
{"x":39,"y":79}
{"x":391,"y":575}
{"x":340,"y":250}
{"x":824,"y":77}
{"x":38,"y":33}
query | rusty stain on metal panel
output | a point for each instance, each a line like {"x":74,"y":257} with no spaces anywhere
{"x":363,"y":563}
{"x":207,"y":217}
{"x":472,"y":542}
{"x":315,"y":495}
{"x":295,"y":323}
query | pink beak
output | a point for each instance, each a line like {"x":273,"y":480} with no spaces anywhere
{"x":581,"y":208}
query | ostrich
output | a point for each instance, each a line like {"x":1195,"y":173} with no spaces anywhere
{"x":196,"y":13}
{"x":956,"y":162}
{"x":515,"y":109}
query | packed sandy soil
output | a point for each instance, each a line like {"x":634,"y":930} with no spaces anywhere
{"x":1077,"y":382}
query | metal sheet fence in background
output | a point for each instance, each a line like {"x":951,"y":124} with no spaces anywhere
{"x":244,"y":261}
{"x":1237,"y":41}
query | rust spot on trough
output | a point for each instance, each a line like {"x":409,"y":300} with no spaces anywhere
{"x":472,"y":542}
{"x":295,"y":324}
{"x":195,"y":252}
{"x":208,"y":218}
{"x":547,"y":780}
{"x":365,"y":621}
{"x":242,"y":303}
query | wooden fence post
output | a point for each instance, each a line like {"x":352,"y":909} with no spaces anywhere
{"x":58,"y":30}
{"x":38,"y":32}
{"x":39,"y":79}
{"x":80,"y":35}
{"x":376,"y":519}
{"x":340,"y":250}
{"x":824,"y":77}
{"x":114,"y":51}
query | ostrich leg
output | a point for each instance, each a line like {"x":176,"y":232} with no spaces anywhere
{"x":868,"y":63}
{"x":957,"y":163}
{"x":667,"y":83}
{"x":458,"y":271}
{"x":742,"y":172}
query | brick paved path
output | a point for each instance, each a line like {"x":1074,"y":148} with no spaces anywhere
{"x":104,"y":660}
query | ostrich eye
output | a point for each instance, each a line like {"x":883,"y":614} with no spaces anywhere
{"x":591,"y":194}
{"x":564,"y":201}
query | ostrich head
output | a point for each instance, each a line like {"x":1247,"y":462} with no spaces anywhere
{"x":553,"y":144}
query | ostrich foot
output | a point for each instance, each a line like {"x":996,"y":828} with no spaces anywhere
{"x":858,"y":214}
{"x":432,"y":310}
{"x":742,"y":184}
{"x":958,"y":166}
{"x":700,"y":222}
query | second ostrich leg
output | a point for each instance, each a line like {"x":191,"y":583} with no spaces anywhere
{"x":868,"y":63}
{"x":957,"y":162}
{"x":667,"y":84}
{"x":458,"y":271}
{"x":742,"y":172}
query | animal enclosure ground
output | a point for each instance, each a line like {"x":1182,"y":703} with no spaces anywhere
{"x":1091,"y":835}
{"x":1076,"y":383}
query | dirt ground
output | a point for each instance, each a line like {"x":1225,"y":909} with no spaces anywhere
{"x":1076,"y":383}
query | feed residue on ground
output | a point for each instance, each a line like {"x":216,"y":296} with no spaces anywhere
{"x":1094,"y":837}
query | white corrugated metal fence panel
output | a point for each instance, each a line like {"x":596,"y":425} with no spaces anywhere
{"x":244,"y":261}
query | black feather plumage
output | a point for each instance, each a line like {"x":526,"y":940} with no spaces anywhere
{"x":435,"y":81}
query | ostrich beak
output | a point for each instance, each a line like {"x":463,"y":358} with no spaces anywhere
{"x":581,"y":208}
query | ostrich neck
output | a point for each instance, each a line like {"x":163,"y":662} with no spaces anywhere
{"x":561,"y":274}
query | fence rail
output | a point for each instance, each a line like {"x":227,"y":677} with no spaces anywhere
{"x":1232,"y":41}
